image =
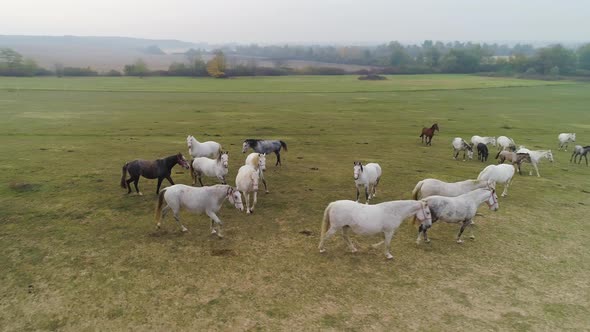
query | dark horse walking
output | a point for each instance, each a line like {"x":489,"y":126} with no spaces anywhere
{"x":427,"y":134}
{"x":265,"y":146}
{"x":151,"y":169}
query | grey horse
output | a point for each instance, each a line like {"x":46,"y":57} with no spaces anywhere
{"x":265,"y":146}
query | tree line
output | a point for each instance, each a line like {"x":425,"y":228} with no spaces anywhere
{"x":392,"y":58}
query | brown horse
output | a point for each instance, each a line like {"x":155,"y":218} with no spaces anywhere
{"x":427,"y":134}
{"x":513,"y":157}
{"x":151,"y":169}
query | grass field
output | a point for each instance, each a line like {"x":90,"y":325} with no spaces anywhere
{"x":77,"y":253}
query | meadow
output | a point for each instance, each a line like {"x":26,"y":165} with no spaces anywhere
{"x":78,"y":253}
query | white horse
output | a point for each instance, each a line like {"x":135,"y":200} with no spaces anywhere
{"x":247,"y":182}
{"x":431,"y":187}
{"x":505,"y":143}
{"x":215,"y":168}
{"x":565,"y":138}
{"x":536,"y":156}
{"x":370,"y":219}
{"x":502,"y":173}
{"x":206,"y":200}
{"x":206,"y":149}
{"x":460,"y":209}
{"x":475,"y":140}
{"x":459,"y":145}
{"x":258,"y":161}
{"x":367,"y":176}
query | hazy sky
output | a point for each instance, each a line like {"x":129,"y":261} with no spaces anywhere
{"x":271,"y":21}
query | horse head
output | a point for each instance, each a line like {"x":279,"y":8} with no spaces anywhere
{"x":182,"y":161}
{"x":357,"y":169}
{"x":549,"y":155}
{"x":435,"y":127}
{"x":245,"y":146}
{"x":224,"y":159}
{"x":189,"y":140}
{"x":424,"y":214}
{"x":235,"y":198}
{"x":492,"y":201}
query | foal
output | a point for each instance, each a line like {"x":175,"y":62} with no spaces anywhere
{"x":427,"y":134}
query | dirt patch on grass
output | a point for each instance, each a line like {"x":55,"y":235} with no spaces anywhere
{"x":222,"y":252}
{"x":23,"y":187}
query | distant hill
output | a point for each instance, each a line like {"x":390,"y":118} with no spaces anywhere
{"x":100,"y":53}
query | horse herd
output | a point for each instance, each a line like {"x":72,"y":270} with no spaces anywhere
{"x":433,"y":199}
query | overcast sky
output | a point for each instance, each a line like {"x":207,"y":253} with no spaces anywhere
{"x":274,"y":21}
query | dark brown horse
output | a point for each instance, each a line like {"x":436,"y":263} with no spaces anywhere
{"x":151,"y":169}
{"x":427,"y":134}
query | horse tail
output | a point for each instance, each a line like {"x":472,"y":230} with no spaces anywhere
{"x":498,"y":154}
{"x":192,"y":170}
{"x":284,"y":145}
{"x":158,"y":214}
{"x":417,"y":190}
{"x":124,"y":171}
{"x":325,"y":222}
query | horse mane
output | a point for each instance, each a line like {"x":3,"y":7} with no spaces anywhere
{"x":251,"y":141}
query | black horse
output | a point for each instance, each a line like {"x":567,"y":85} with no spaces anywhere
{"x":482,"y":152}
{"x":265,"y":146}
{"x":151,"y":169}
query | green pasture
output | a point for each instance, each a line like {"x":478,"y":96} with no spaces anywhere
{"x":78,"y":254}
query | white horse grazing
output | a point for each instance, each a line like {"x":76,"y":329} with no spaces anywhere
{"x":258,"y":161}
{"x":431,"y":187}
{"x":370,"y":219}
{"x":459,"y":145}
{"x":206,"y":149}
{"x":367,"y":176}
{"x":536,"y":156}
{"x":197,"y":200}
{"x":215,"y":168}
{"x":505,"y":143}
{"x":247,"y":182}
{"x":475,"y":140}
{"x":460,"y":209}
{"x":565,"y":138}
{"x":502,"y":173}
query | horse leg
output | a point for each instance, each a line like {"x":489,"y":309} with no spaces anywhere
{"x":347,"y":238}
{"x":163,"y":215}
{"x":465,"y":224}
{"x":388,"y":236}
{"x":506,"y":185}
{"x":585,"y":157}
{"x":536,"y":170}
{"x":135,"y":182}
{"x":264,"y":182}
{"x":159,"y":184}
{"x":367,"y":194}
{"x":215,"y":219}
{"x":375,"y":187}
{"x":129,"y":185}
{"x":254,"y":201}
{"x":247,"y":195}
{"x":278,"y":158}
{"x":329,"y":233}
{"x":358,"y":193}
{"x":573,"y":154}
{"x":422,"y":230}
{"x":177,"y":218}
{"x":199,"y":175}
{"x":169,"y":178}
{"x":471,"y":226}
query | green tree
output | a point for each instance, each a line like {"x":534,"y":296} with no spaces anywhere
{"x":139,"y":68}
{"x":584,"y":57}
{"x":555,"y":56}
